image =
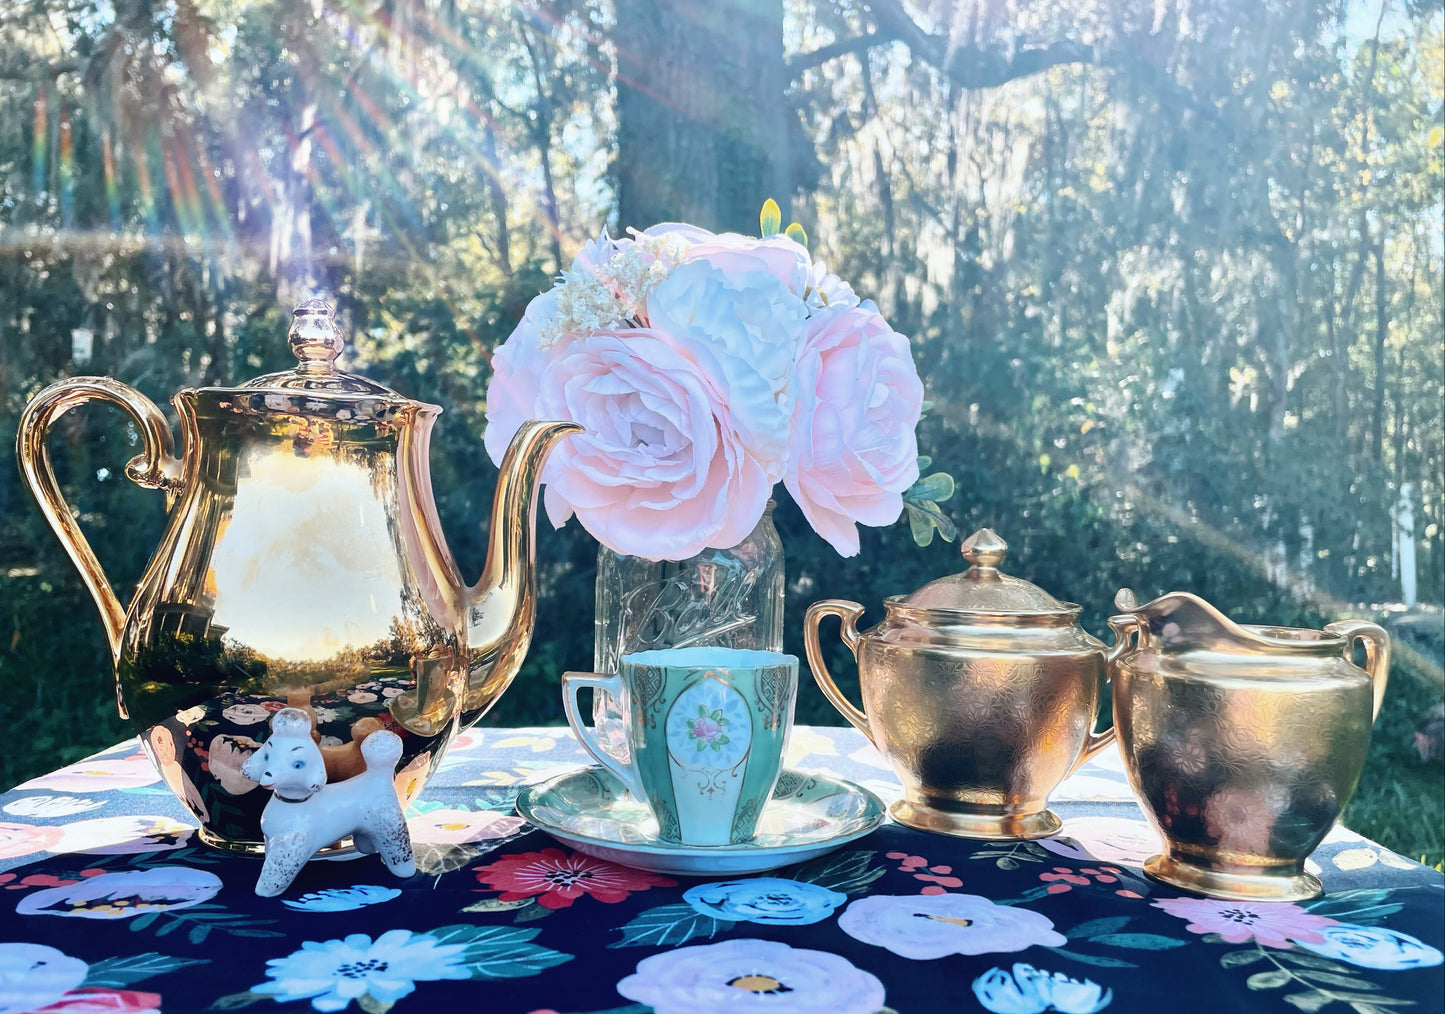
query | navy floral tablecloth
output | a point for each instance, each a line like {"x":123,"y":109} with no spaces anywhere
{"x":109,"y":903}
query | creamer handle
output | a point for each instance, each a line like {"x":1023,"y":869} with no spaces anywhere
{"x":575,"y":681}
{"x":1126,"y":629}
{"x":155,"y":468}
{"x":848,"y":612}
{"x":1377,"y":652}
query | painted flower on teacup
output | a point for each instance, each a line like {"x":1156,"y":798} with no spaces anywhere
{"x":930,"y":926}
{"x":708,"y":725}
{"x":1373,"y":947}
{"x":771,"y":901}
{"x":246,"y":714}
{"x":227,"y":755}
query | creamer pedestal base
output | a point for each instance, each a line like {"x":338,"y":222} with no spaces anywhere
{"x":1288,"y":884}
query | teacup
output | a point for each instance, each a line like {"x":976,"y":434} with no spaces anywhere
{"x":706,"y":728}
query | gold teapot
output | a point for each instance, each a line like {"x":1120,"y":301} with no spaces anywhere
{"x":981,"y":691}
{"x":302,"y":564}
{"x":1243,"y":743}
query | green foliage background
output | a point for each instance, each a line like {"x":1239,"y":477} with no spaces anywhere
{"x":1172,"y":276}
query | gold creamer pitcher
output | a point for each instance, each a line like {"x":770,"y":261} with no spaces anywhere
{"x":302,"y":564}
{"x":1243,"y":743}
{"x":980,"y":689}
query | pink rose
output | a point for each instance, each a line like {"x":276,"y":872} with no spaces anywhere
{"x":733,"y":253}
{"x":853,"y":450}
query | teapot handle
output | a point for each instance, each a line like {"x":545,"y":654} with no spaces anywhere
{"x":848,"y":612}
{"x":155,"y":468}
{"x":1377,"y":652}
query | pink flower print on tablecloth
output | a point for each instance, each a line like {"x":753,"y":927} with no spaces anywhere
{"x":1062,"y":879}
{"x":26,"y":839}
{"x":454,"y":826}
{"x":1272,"y":923}
{"x":104,"y":1001}
{"x":938,"y":878}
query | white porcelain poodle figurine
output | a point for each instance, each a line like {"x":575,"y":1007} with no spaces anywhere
{"x":305,"y":814}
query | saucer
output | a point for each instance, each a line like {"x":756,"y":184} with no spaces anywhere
{"x":809,"y":814}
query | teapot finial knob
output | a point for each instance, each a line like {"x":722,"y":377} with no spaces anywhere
{"x":984,"y":549}
{"x":315,"y":339}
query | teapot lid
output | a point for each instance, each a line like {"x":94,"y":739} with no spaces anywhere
{"x":316,"y":341}
{"x":982,"y":588}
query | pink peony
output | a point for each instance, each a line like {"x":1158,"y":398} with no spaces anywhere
{"x":853,"y":447}
{"x":661,"y":471}
{"x":1272,"y":923}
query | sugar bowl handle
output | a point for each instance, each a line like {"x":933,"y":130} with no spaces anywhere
{"x":1377,"y":652}
{"x":848,"y":612}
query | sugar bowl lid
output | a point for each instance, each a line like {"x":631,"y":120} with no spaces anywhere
{"x":316,"y":342}
{"x":983,"y":588}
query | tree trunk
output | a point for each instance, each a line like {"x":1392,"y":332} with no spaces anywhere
{"x":702,"y":119}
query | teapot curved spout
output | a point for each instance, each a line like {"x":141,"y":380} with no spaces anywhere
{"x":502,"y":605}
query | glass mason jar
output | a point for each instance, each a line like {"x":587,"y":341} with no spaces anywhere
{"x":728,"y":597}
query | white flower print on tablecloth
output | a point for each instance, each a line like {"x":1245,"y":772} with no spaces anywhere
{"x":1106,"y":840}
{"x":33,"y":975}
{"x":99,"y":774}
{"x":124,"y":894}
{"x":453,"y":826}
{"x":50,"y":807}
{"x":770,"y":901}
{"x":745,"y":975}
{"x":333,"y":973}
{"x":1029,"y":990}
{"x":18,"y":840}
{"x":1372,"y":947}
{"x":123,"y":835}
{"x":930,"y":926}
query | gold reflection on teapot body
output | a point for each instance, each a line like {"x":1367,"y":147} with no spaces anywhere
{"x":302,"y":556}
{"x":1242,"y":743}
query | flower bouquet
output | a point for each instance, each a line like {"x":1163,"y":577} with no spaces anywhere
{"x":706,"y":368}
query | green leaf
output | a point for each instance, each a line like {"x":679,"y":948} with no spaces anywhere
{"x":935,"y":487}
{"x":235,"y":1001}
{"x":669,"y":925}
{"x":770,"y":219}
{"x":1272,"y":979}
{"x":1094,"y":927}
{"x":924,"y":463}
{"x":797,"y":234}
{"x":372,"y":1005}
{"x":846,"y":873}
{"x":117,"y":973}
{"x":1304,"y":959}
{"x":532,"y":913}
{"x":499,"y":952}
{"x":1333,"y":979}
{"x":920,"y":524}
{"x":498,"y":905}
{"x":1308,"y":1001}
{"x":1092,"y":959}
{"x":1238,"y":959}
{"x":1139,"y":941}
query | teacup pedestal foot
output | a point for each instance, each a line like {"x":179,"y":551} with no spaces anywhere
{"x":1285,"y":883}
{"x":972,"y":824}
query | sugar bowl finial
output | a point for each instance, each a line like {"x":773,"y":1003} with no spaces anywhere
{"x":305,"y":814}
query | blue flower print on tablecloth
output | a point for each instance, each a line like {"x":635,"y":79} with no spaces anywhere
{"x":768,"y":900}
{"x":99,"y":774}
{"x":930,"y":926}
{"x":343,"y":899}
{"x":744,"y":976}
{"x":1030,"y":990}
{"x":125,"y":894}
{"x":333,"y":973}
{"x":33,"y":975}
{"x":50,"y":807}
{"x":1372,"y":947}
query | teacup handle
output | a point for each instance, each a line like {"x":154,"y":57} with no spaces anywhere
{"x":848,"y":612}
{"x":575,"y":681}
{"x":1127,"y":631}
{"x":1377,"y":652}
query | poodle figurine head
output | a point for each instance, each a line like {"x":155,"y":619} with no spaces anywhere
{"x":289,"y":762}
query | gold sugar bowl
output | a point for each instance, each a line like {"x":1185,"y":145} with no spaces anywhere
{"x":980,"y":689}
